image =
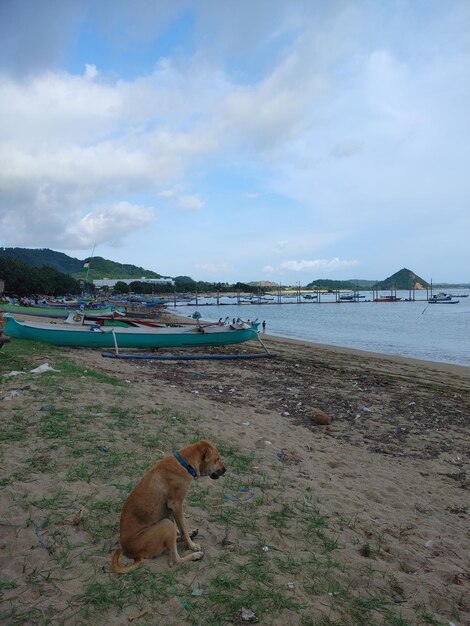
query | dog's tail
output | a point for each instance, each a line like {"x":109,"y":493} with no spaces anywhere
{"x":121,"y":569}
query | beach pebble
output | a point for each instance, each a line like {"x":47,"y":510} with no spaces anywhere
{"x":262,"y":443}
{"x":320,"y":417}
{"x":247,"y":615}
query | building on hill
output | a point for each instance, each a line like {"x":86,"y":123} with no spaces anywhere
{"x":111,"y":282}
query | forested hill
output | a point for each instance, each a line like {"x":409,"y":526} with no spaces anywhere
{"x":403,"y":279}
{"x":100,"y":267}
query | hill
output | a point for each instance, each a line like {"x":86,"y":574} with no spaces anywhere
{"x":100,"y":267}
{"x":403,"y":279}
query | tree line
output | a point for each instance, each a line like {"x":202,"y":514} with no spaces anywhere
{"x":22,"y":280}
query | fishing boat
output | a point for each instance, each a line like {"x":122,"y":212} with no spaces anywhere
{"x":136,"y":335}
{"x":442,"y":298}
{"x":44,"y":311}
{"x":387,"y":299}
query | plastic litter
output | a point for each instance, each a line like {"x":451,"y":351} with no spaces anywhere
{"x":247,"y":615}
{"x":197,"y":591}
{"x":265,"y":549}
{"x":290,"y":585}
{"x":37,"y":532}
{"x":249,"y":495}
{"x":13,"y":373}
{"x":184,"y":604}
{"x":12,"y":394}
{"x":281,"y":455}
{"x":45,"y":367}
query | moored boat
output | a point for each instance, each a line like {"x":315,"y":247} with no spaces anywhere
{"x":137,"y":336}
{"x":387,"y":299}
{"x":442,"y":298}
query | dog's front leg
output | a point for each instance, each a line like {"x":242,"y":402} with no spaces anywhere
{"x":178,"y":514}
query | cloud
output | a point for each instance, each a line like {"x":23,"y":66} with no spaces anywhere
{"x":190,"y":203}
{"x":107,"y":224}
{"x":269,"y":269}
{"x":168,"y":193}
{"x":318,"y":264}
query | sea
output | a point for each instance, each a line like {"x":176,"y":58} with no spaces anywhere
{"x":416,"y":329}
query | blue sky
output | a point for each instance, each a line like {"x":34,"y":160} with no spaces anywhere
{"x":230,"y":140}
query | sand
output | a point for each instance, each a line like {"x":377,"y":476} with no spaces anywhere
{"x":390,"y":473}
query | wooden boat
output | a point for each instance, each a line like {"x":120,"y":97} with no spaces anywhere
{"x":387,"y":299}
{"x":137,"y":336}
{"x":43,"y":311}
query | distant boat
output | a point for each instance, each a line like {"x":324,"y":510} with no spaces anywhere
{"x":351,"y":297}
{"x":310,"y":296}
{"x":136,"y":336}
{"x":442,"y":298}
{"x":387,"y":299}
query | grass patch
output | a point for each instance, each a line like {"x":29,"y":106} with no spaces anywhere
{"x":90,"y":454}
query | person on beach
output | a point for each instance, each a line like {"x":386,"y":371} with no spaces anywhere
{"x":264,"y":326}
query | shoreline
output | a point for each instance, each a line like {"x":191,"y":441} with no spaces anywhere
{"x":367,"y":358}
{"x":457,"y":369}
{"x":385,"y":480}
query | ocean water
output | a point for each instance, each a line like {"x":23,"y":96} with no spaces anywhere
{"x":431,"y":332}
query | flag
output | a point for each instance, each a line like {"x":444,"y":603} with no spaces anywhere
{"x":87,"y":264}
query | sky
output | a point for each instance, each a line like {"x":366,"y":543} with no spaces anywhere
{"x":239,"y":140}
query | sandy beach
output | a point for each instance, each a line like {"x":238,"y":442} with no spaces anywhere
{"x":360,"y":521}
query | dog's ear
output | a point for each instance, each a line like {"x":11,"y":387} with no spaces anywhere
{"x":206,"y":448}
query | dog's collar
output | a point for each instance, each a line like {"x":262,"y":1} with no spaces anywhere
{"x":186,"y":466}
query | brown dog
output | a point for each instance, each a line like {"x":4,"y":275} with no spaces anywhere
{"x":148,"y":516}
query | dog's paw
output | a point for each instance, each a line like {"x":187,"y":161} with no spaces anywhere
{"x":197,"y":556}
{"x":195,"y":547}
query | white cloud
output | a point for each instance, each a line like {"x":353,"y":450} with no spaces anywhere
{"x":107,"y":224}
{"x":91,"y":71}
{"x":190,"y":203}
{"x":168,"y":193}
{"x":318,"y":264}
{"x":269,"y":269}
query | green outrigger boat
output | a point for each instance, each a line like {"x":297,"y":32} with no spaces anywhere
{"x":56,"y":311}
{"x":133,"y":336}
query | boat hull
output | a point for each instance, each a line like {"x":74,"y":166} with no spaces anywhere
{"x":49,"y":311}
{"x":92,"y":337}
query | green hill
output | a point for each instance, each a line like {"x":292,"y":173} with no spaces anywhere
{"x":404,"y":279}
{"x":334,"y":285}
{"x":100,"y":267}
